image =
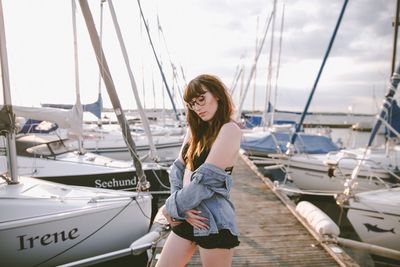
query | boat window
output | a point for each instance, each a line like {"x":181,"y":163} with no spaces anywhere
{"x":52,"y":149}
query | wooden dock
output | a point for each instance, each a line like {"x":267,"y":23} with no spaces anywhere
{"x":271,"y":232}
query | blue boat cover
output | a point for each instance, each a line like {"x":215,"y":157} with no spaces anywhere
{"x":30,"y":126}
{"x":305,"y":143}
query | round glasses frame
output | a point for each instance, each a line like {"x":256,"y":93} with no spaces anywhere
{"x":200,"y":100}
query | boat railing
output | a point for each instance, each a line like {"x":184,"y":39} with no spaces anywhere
{"x":370,"y":168}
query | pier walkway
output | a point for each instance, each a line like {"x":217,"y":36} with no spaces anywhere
{"x":271,"y":233}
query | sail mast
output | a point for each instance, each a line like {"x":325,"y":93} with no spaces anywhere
{"x":10,"y":124}
{"x":78,"y":104}
{"x":253,"y":69}
{"x":109,"y":83}
{"x":269,"y":76}
{"x":396,"y":29}
{"x":158,"y":62}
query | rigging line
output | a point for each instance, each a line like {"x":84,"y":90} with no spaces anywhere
{"x":303,"y":115}
{"x":255,"y":71}
{"x":142,"y":64}
{"x":90,"y":235}
{"x":159,"y":180}
{"x":158,"y":62}
{"x":145,"y":122}
{"x":279,"y":61}
{"x":140,"y":207}
{"x":162,"y":63}
{"x":101,"y":39}
{"x":269,"y":76}
{"x":232,"y":87}
{"x":173,"y":67}
{"x":239,"y":110}
{"x":238,"y":73}
{"x":154,"y":90}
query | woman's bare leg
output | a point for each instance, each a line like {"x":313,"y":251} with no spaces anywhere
{"x":176,"y":252}
{"x":216,"y":257}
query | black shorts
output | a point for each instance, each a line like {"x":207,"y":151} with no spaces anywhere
{"x":224,"y":238}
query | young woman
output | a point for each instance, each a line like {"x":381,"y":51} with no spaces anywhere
{"x":199,"y":209}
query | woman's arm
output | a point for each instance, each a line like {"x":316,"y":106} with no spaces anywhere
{"x":223,"y":154}
{"x":226,"y":146}
{"x":185,"y":141}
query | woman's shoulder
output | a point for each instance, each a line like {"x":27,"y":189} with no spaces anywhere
{"x":231,"y":128}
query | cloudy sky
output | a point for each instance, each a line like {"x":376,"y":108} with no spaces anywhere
{"x":206,"y":36}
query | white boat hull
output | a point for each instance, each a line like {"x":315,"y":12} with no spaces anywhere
{"x":47,"y":224}
{"x":311,"y":172}
{"x":376,"y":219}
{"x":317,"y":179}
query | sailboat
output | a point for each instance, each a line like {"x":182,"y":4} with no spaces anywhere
{"x":63,"y":160}
{"x":58,"y":160}
{"x":328,"y":173}
{"x":375,"y":215}
{"x":107,"y":139}
{"x":47,"y":224}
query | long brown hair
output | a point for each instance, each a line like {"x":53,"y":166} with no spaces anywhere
{"x":203,"y":133}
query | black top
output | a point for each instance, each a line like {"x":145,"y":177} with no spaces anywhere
{"x":200,"y":159}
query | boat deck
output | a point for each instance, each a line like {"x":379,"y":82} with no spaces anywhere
{"x":271,"y":233}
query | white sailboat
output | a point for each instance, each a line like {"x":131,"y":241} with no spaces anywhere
{"x":58,"y":160}
{"x":375,"y":215}
{"x":47,"y":224}
{"x":108,"y":141}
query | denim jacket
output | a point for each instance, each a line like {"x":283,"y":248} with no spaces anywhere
{"x":208,"y":192}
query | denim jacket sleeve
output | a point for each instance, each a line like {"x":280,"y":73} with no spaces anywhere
{"x":176,"y":176}
{"x":205,"y":182}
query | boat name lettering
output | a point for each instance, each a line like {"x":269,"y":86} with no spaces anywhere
{"x":26,"y":242}
{"x":115,"y":183}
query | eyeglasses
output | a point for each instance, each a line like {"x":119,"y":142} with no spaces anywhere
{"x":200,"y":100}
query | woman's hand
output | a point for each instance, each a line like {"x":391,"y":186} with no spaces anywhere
{"x":170,"y":220}
{"x":197,"y":221}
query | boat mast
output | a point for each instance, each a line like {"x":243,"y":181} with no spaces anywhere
{"x":278,"y":65}
{"x":252,"y":70}
{"x":158,"y":62}
{"x":78,"y":104}
{"x":269,"y":75}
{"x":109,"y":83}
{"x":9,"y":124}
{"x":396,"y":29}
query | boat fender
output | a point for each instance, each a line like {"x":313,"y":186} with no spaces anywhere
{"x":146,"y":241}
{"x":317,"y":219}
